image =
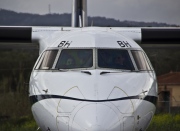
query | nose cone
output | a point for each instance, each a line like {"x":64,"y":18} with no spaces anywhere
{"x":96,"y":117}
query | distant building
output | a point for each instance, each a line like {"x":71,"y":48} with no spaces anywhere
{"x":169,"y":91}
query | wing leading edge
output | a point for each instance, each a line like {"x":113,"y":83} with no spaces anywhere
{"x":141,"y":35}
{"x":16,"y":34}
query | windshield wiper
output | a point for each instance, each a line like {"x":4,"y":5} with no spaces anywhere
{"x":63,"y":70}
{"x":87,"y":72}
{"x":66,"y":70}
{"x":106,"y":72}
{"x":57,"y":69}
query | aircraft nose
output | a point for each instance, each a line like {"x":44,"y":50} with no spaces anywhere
{"x":95,"y":117}
{"x":96,"y":128}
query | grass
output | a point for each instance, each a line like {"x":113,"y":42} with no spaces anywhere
{"x":160,"y":122}
{"x":15,"y":112}
{"x":165,"y":122}
{"x":14,"y":105}
{"x":25,"y":123}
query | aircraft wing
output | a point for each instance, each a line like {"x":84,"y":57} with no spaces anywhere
{"x":43,"y":35}
{"x":16,"y":34}
{"x":153,"y":37}
{"x":34,"y":35}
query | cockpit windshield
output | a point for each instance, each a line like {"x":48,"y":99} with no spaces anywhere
{"x":75,"y":58}
{"x":81,"y":58}
{"x":115,"y":59}
{"x":47,"y":59}
{"x":142,"y":62}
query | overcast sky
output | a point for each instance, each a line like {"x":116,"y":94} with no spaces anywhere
{"x":166,"y":11}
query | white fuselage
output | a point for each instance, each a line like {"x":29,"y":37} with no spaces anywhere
{"x":94,"y":98}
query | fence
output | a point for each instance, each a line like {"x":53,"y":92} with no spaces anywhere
{"x":168,"y":107}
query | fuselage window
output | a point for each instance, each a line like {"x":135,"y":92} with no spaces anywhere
{"x":47,"y":59}
{"x":75,"y":58}
{"x":141,"y":60}
{"x":115,"y":59}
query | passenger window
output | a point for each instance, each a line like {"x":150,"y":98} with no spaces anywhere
{"x":75,"y":58}
{"x":141,"y":60}
{"x":47,"y":59}
{"x":115,"y":59}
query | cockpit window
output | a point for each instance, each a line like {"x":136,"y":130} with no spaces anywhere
{"x":141,"y":60}
{"x":75,"y":58}
{"x":115,"y":59}
{"x":47,"y":59}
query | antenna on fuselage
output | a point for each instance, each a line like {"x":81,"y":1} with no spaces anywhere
{"x":79,"y":13}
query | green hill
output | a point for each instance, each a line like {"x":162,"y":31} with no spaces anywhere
{"x":11,"y":18}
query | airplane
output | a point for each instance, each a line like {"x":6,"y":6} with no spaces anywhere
{"x":92,"y":78}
